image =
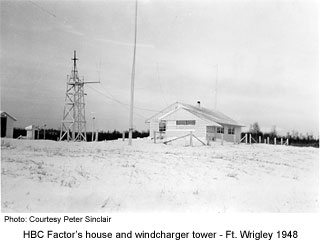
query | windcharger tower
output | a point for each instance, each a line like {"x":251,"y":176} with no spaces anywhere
{"x":73,"y":127}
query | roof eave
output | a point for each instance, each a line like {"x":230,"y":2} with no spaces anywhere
{"x":7,"y":114}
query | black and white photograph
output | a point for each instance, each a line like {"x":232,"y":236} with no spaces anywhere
{"x":159,"y":106}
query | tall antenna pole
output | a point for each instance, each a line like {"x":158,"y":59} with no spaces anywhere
{"x":133,"y":75}
{"x":216,"y":89}
{"x":75,"y":78}
{"x":74,"y":59}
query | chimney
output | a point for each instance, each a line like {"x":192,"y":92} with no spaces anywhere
{"x":198,"y":102}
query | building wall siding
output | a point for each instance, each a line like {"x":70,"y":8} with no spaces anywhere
{"x":154,"y":126}
{"x":230,"y":137}
{"x":173,"y":130}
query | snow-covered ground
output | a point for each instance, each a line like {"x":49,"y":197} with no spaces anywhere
{"x":48,"y":176}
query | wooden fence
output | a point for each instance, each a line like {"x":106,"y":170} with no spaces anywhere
{"x":248,"y":139}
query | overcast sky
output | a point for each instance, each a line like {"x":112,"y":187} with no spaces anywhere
{"x":266,"y":52}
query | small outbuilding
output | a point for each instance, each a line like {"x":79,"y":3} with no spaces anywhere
{"x":31,"y":132}
{"x":180,"y":119}
{"x":7,"y":122}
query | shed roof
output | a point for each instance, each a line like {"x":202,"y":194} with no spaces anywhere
{"x":5,"y":114}
{"x":30,"y":127}
{"x":202,"y":113}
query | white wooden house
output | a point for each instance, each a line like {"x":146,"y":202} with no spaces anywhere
{"x":7,"y":122}
{"x":180,"y":119}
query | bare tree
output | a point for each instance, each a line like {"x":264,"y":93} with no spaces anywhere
{"x":273,"y":132}
{"x":255,"y":128}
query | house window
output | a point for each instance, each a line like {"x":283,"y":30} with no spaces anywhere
{"x":210,"y":129}
{"x":162,"y":126}
{"x":220,"y":130}
{"x":185,"y":122}
{"x":231,"y":131}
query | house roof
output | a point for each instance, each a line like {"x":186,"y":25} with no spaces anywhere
{"x":202,"y":117}
{"x":30,"y":127}
{"x":203,"y":113}
{"x":5,"y":114}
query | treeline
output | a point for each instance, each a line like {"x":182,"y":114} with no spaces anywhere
{"x":295,"y":138}
{"x":54,"y":134}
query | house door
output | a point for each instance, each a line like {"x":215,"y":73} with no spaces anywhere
{"x":210,"y":133}
{"x":3,"y":126}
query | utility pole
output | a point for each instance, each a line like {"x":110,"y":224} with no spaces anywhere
{"x":44,"y":131}
{"x":92,"y":137}
{"x":73,"y":126}
{"x":216,"y":89}
{"x":133,"y":76}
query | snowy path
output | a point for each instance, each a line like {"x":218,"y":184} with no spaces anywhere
{"x":48,"y":176}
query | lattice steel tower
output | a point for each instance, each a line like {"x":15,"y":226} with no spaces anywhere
{"x":73,"y":127}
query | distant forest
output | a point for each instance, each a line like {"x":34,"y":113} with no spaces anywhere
{"x":295,"y":138}
{"x":54,"y":134}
